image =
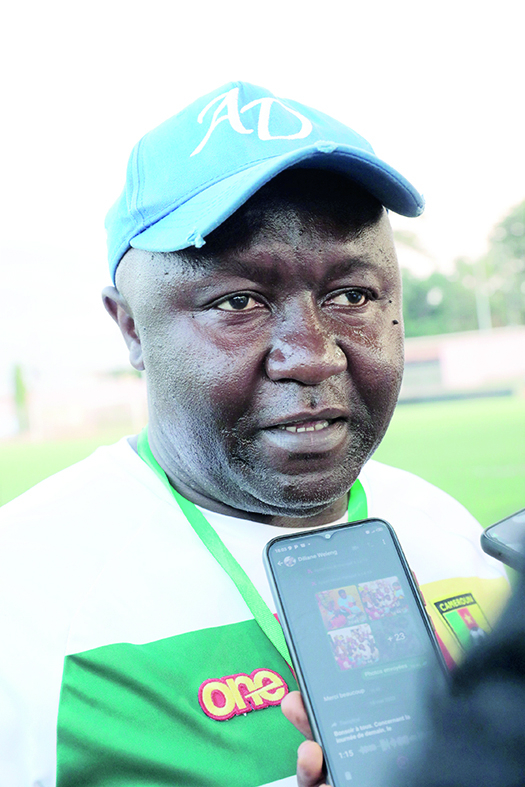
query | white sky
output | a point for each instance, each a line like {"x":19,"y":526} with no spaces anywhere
{"x":437,"y":88}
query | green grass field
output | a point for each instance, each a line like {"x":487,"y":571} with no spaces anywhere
{"x":474,"y":449}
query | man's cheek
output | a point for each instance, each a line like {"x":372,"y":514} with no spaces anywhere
{"x":379,"y":382}
{"x":231,"y":382}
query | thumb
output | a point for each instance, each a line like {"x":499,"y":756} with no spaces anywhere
{"x":310,"y":765}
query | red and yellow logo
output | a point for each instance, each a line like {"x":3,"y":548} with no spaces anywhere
{"x":223,"y":698}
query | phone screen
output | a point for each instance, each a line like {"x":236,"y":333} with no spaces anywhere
{"x":363,"y":650}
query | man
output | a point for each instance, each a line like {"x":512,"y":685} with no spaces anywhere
{"x":257,"y":286}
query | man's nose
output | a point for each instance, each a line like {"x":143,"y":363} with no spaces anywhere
{"x":304,"y":347}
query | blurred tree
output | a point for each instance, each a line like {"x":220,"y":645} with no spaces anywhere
{"x":485,"y":293}
{"x":21,"y":403}
{"x":410,"y":240}
{"x":504,"y":269}
{"x":438,"y":304}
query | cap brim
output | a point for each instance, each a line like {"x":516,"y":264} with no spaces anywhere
{"x":190,"y":223}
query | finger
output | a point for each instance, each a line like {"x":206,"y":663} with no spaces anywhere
{"x":310,"y":765}
{"x":293,"y":708}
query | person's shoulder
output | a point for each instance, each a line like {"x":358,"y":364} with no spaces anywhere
{"x":61,"y":531}
{"x":101,"y":491}
{"x":386,"y":480}
{"x":440,"y":538}
{"x":99,"y":469}
{"x":406,"y":498}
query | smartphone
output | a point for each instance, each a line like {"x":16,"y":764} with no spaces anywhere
{"x":362,"y":646}
{"x":506,"y":540}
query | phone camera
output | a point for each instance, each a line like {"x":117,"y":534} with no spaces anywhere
{"x":327,"y":535}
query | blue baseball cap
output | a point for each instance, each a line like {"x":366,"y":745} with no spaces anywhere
{"x":191,"y":173}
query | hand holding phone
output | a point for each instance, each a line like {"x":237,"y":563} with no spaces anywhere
{"x":310,"y":760}
{"x":361,"y":644}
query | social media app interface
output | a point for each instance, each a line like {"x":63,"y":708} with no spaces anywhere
{"x":362,"y":646}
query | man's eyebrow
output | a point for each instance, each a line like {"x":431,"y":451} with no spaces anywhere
{"x":269,"y":271}
{"x":236,"y":266}
{"x":333,"y":268}
{"x":352,"y":263}
{"x":211,"y":264}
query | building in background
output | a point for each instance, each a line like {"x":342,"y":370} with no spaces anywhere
{"x":76,"y":406}
{"x":471,"y":363}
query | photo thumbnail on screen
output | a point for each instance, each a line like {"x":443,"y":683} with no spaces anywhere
{"x":368,"y":623}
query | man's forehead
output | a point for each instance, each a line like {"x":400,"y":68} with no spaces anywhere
{"x":297,"y":207}
{"x":274,"y":252}
{"x":277,"y":262}
{"x":325,"y":203}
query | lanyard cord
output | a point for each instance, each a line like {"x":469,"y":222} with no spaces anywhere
{"x":357,"y":509}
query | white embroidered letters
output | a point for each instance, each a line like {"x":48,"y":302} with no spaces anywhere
{"x":228,"y":105}
{"x":263,"y":127}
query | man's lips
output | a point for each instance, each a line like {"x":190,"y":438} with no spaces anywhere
{"x":309,"y":421}
{"x":305,"y":426}
{"x":307,"y":433}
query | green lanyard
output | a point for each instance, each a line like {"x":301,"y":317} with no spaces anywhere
{"x":357,"y":509}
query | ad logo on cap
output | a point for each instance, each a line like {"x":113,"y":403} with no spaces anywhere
{"x":228,"y":105}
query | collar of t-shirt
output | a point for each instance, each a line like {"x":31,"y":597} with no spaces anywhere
{"x":357,"y":509}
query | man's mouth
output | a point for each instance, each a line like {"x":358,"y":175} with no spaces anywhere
{"x":307,"y":435}
{"x":306,"y":426}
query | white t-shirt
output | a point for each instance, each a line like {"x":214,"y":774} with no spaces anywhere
{"x":115,"y":618}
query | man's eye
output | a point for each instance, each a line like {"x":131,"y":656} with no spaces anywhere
{"x":350,"y":298}
{"x":239,"y":303}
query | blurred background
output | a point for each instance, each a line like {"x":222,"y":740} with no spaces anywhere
{"x":436,"y":88}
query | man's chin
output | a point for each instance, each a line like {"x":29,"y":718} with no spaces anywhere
{"x":305,"y":483}
{"x":298,"y":496}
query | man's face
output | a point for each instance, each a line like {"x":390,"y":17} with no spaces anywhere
{"x":272,"y":372}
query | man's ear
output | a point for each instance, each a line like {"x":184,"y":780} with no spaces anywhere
{"x":117,"y":308}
